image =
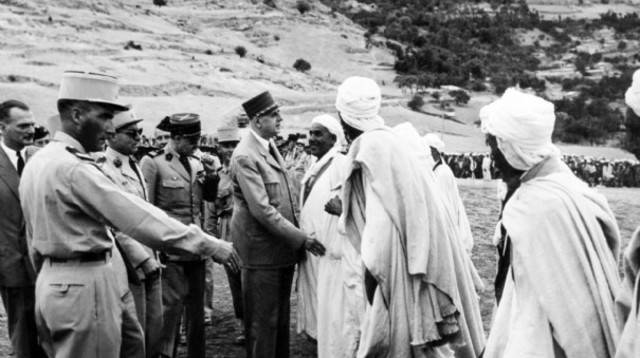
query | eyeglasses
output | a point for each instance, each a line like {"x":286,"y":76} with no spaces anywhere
{"x":132,"y":133}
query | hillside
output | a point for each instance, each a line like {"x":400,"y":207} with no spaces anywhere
{"x":186,"y":59}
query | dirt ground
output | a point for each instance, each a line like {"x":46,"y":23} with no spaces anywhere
{"x":482,"y":209}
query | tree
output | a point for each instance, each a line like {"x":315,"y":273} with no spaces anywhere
{"x":241,"y":51}
{"x":460,"y":96}
{"x":416,"y":103}
{"x":622,"y":46}
{"x":303,"y":6}
{"x":302,"y":65}
{"x":159,"y":2}
{"x":435,"y":95}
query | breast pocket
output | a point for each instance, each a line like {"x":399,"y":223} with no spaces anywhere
{"x":173,"y":191}
{"x":273,"y":192}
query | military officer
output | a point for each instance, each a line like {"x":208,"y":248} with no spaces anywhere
{"x":264,"y":228}
{"x":68,"y":203}
{"x":141,"y":262}
{"x":178,"y":182}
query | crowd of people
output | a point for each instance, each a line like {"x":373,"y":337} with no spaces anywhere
{"x":108,"y":242}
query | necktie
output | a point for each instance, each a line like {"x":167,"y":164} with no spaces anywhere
{"x":133,"y":166}
{"x":184,"y":160}
{"x":20,"y":162}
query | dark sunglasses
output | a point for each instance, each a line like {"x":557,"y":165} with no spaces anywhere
{"x":132,"y":133}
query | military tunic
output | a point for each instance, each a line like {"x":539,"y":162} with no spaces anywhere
{"x":68,"y":204}
{"x":180,"y":193}
{"x":146,"y":289}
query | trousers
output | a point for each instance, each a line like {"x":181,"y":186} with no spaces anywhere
{"x":79,"y":309}
{"x":266,"y":294}
{"x":19,"y":304}
{"x":183,"y":291}
{"x":147,"y":296}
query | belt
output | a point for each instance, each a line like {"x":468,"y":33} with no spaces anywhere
{"x":84,"y":257}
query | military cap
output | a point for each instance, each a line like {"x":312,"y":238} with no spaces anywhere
{"x":124,"y":119}
{"x":260,"y":105}
{"x":186,"y":124}
{"x":228,"y":134}
{"x":91,"y":87}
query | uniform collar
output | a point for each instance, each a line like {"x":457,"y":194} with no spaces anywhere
{"x":263,"y":142}
{"x":63,"y":137}
{"x":114,"y":154}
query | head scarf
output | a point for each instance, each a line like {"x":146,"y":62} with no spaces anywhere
{"x":358,"y":102}
{"x":523,"y":124}
{"x":632,"y":97}
{"x":332,"y":125}
{"x":432,"y":140}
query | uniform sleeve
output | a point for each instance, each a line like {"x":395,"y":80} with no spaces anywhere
{"x":96,"y":195}
{"x":255,"y":194}
{"x":150,"y":175}
{"x":135,"y":251}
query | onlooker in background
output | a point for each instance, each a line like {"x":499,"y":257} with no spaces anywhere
{"x":17,"y":276}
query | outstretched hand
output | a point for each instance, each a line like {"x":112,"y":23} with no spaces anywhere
{"x":314,"y":246}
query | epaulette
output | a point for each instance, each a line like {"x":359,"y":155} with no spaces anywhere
{"x":155,"y":153}
{"x":78,"y":154}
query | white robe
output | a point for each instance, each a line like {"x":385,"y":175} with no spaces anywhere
{"x":629,"y":299}
{"x":330,"y":297}
{"x":395,"y":218}
{"x":559,"y":296}
{"x":446,"y":182}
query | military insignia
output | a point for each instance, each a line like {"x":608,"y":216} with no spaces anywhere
{"x":78,"y":154}
{"x":155,"y":153}
{"x":168,"y":156}
{"x":101,"y":159}
{"x":117,"y":162}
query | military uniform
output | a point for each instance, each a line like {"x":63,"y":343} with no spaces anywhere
{"x":68,"y":202}
{"x":179,"y":192}
{"x":146,"y":288}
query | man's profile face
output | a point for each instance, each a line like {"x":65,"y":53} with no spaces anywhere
{"x":19,"y":129}
{"x":269,"y":124}
{"x":126,"y":140}
{"x":320,"y":140}
{"x":95,"y":121}
{"x":225,"y":150}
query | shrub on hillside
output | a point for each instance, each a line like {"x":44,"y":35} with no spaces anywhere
{"x":460,"y":96}
{"x":159,"y":2}
{"x":303,"y":6}
{"x":270,"y":3}
{"x":416,"y":103}
{"x":302,"y":65}
{"x":240,"y":51}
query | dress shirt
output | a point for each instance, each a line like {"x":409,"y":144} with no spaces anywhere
{"x":13,"y":156}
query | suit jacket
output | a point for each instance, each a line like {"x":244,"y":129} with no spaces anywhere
{"x":263,"y":226}
{"x":15,"y":266}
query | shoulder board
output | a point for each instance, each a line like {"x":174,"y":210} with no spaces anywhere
{"x":82,"y":156}
{"x":155,"y":153}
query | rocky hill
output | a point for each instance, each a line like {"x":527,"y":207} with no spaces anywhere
{"x":182,"y":57}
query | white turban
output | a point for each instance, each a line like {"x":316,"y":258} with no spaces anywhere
{"x":432,"y":140}
{"x":332,"y":125}
{"x":358,"y":102}
{"x":523,"y":124}
{"x":632,"y":97}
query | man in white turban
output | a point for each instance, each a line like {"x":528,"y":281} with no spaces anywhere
{"x":396,"y":221}
{"x":558,"y":298}
{"x":629,"y":297}
{"x":448,"y":188}
{"x":330,"y":297}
